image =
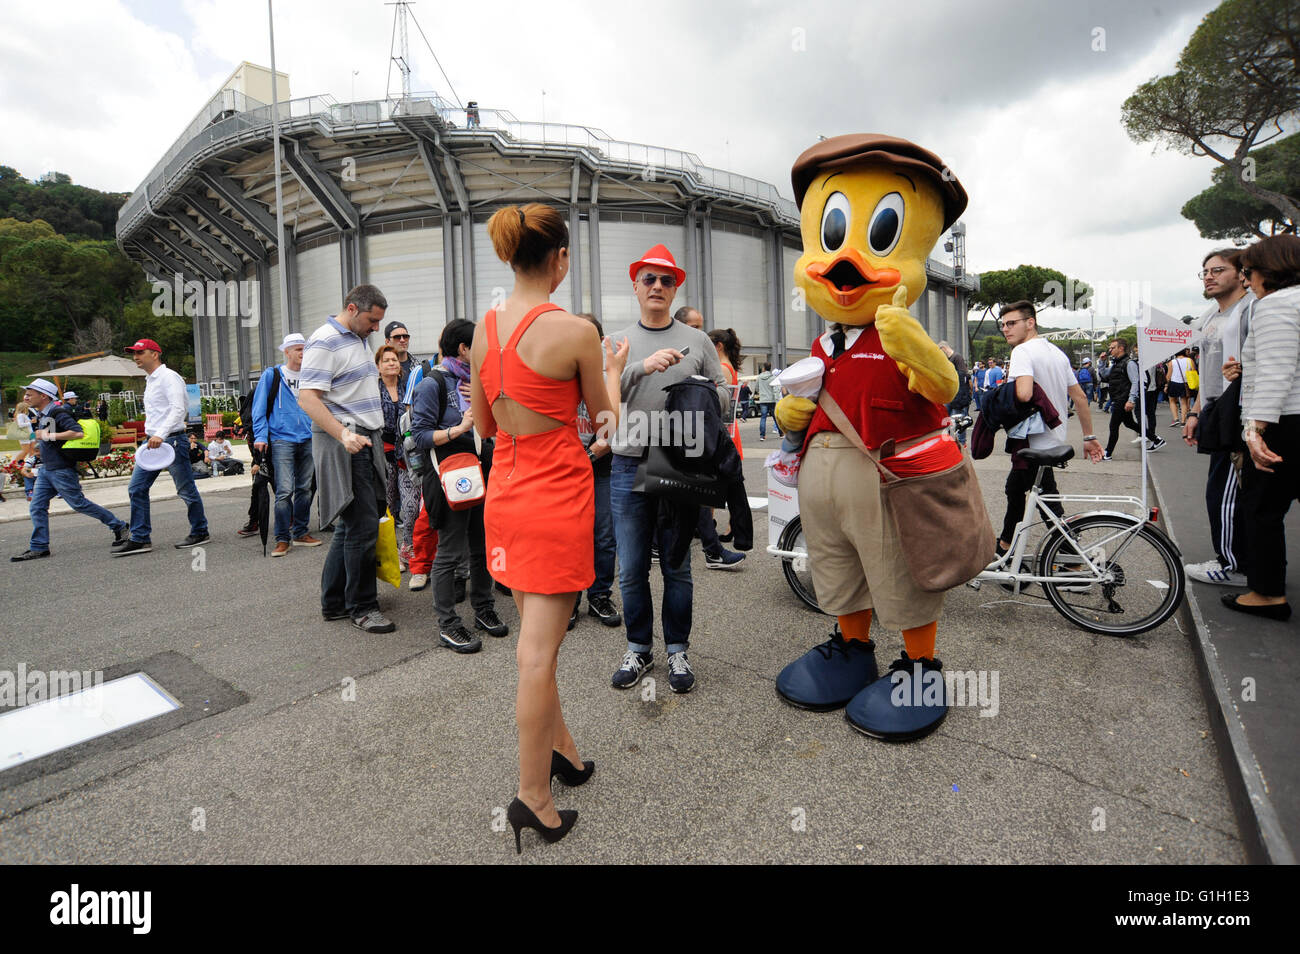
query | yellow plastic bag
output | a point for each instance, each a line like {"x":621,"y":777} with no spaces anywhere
{"x":1193,"y":380}
{"x":386,"y":566}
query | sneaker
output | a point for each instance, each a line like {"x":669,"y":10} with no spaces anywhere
{"x":374,"y":622}
{"x":1212,"y":571}
{"x":681,"y":678}
{"x":281,"y":548}
{"x":490,"y":623}
{"x":726,"y":560}
{"x":634,"y":666}
{"x":193,"y":540}
{"x":459,"y":639}
{"x":306,"y":540}
{"x":458,"y":589}
{"x":1106,"y":457}
{"x":1156,"y":445}
{"x":602,"y":607}
{"x":573,"y":618}
{"x":29,"y":555}
{"x":248,"y":530}
{"x":418,"y":581}
{"x":1176,"y":424}
{"x":132,"y":547}
{"x":121,"y":536}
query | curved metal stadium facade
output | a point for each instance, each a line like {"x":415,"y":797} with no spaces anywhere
{"x":398,"y":193}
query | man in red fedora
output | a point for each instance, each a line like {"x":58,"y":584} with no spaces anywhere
{"x":165,"y":408}
{"x":662,"y":353}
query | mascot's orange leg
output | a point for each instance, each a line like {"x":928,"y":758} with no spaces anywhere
{"x":919,"y":640}
{"x":858,"y":626}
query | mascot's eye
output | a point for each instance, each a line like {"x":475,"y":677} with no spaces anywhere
{"x":886,"y":224}
{"x":835,"y":221}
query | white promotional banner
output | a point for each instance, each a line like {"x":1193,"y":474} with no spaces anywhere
{"x":1161,"y":337}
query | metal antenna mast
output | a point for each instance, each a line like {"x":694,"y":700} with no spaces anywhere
{"x":403,"y":57}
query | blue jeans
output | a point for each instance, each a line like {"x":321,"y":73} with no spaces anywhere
{"x":182,"y":477}
{"x":764,"y":409}
{"x":606,"y":549}
{"x":64,"y":482}
{"x":291,"y":466}
{"x":347,"y":582}
{"x":636,"y":523}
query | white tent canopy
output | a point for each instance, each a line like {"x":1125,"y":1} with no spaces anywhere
{"x":109,"y":366}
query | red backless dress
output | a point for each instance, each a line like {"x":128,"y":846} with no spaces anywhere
{"x":540,"y":512}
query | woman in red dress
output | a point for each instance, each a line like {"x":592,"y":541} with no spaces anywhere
{"x":531,"y":364}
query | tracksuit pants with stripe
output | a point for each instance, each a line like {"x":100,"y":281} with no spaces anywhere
{"x":1221,"y":492}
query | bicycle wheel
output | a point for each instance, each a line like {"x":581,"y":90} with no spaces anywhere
{"x":1144,"y":581}
{"x":797,"y":573}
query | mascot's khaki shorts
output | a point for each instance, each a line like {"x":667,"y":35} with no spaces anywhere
{"x":853,"y":548}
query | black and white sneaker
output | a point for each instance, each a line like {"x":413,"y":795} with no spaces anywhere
{"x":490,"y":623}
{"x":602,"y":607}
{"x":1105,"y":457}
{"x":132,"y":547}
{"x":459,"y":639}
{"x":120,"y":537}
{"x":725,"y":560}
{"x":681,"y":678}
{"x":193,"y":540}
{"x":1158,"y":443}
{"x":634,"y":666}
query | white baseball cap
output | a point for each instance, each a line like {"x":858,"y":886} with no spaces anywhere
{"x":69,"y":394}
{"x":291,"y":339}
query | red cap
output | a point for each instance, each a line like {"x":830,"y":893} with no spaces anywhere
{"x":146,"y":344}
{"x":660,"y":256}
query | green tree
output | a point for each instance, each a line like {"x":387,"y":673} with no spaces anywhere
{"x":1045,"y":287}
{"x":1228,"y":212}
{"x":1236,"y":86}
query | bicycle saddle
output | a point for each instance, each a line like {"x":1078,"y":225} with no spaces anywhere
{"x":1047,"y":456}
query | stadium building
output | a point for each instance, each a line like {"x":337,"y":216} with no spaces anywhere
{"x":398,"y":193}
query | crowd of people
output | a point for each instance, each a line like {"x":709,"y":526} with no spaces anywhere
{"x":505,"y":470}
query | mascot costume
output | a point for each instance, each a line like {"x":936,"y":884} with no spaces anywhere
{"x":871,"y":209}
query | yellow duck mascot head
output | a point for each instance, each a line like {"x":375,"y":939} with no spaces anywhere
{"x":871,"y":209}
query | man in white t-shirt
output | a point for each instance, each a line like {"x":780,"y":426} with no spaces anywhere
{"x":1035,"y":360}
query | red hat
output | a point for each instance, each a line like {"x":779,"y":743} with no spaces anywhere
{"x":660,"y":256}
{"x":146,"y":344}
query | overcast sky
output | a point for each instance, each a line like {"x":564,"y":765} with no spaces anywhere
{"x":1012,"y":94}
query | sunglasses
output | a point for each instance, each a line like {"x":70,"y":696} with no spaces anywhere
{"x":1004,"y":325}
{"x":1247,"y":272}
{"x":668,"y":281}
{"x":401,"y":337}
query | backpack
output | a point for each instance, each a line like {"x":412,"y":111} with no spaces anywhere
{"x":86,"y":447}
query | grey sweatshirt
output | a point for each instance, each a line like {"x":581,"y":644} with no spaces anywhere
{"x":643,"y":394}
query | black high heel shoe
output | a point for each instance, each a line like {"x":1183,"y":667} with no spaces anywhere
{"x":570,"y":775}
{"x":521,"y":816}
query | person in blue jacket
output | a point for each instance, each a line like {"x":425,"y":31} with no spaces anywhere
{"x":278,"y":422}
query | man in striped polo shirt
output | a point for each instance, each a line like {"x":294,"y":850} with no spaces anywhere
{"x":338,"y":388}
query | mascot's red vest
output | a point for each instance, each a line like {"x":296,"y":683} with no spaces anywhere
{"x":867,"y":385}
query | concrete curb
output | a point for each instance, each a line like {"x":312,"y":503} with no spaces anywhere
{"x":1262,"y":833}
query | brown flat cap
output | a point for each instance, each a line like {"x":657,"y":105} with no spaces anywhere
{"x":841,"y":151}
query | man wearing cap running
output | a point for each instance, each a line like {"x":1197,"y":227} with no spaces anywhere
{"x":278,"y":422}
{"x":165,"y":408}
{"x":58,"y":475}
{"x":663,"y":352}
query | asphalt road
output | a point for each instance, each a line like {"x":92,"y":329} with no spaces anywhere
{"x":1099,"y":752}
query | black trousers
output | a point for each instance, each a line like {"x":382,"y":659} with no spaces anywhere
{"x":1265,"y":500}
{"x":1224,"y":508}
{"x":1019,"y":483}
{"x":1118,"y":417}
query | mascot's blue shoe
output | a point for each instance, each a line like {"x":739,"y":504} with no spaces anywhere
{"x":828,"y":676}
{"x":906,"y":703}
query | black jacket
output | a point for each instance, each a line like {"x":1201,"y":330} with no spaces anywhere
{"x":1002,"y":410}
{"x":711,"y":452}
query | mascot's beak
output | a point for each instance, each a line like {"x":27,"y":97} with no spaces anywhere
{"x":849,"y":276}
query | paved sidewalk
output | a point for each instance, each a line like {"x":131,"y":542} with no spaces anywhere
{"x":110,"y":492}
{"x":1250,"y":666}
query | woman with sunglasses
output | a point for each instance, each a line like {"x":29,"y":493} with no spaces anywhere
{"x":1270,"y":415}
